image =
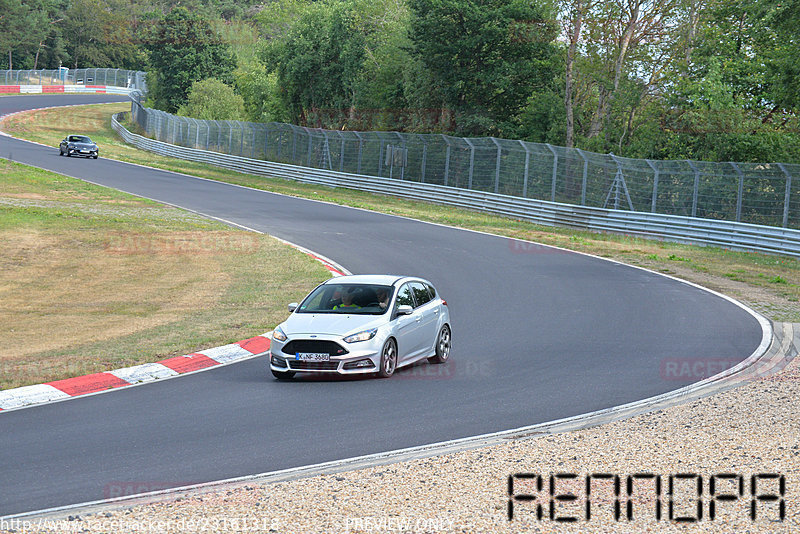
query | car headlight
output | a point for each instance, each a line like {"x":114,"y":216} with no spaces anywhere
{"x":361,"y":336}
{"x":278,"y":335}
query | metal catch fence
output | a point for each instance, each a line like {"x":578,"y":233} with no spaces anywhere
{"x":756,"y":193}
{"x":131,"y":79}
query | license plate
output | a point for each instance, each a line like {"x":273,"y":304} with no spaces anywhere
{"x":84,"y":151}
{"x":313,"y":356}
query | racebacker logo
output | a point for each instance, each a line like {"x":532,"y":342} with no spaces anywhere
{"x":693,"y":369}
{"x":526,"y":247}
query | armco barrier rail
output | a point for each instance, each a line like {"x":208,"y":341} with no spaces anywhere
{"x":729,"y":234}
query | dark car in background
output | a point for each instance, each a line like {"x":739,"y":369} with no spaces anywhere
{"x":78,"y":145}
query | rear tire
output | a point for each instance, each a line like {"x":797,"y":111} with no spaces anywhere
{"x":443,"y":341}
{"x":388,"y":359}
{"x":282,"y":375}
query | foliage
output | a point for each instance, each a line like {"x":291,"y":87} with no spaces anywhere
{"x":485,"y":56}
{"x":261,"y":94}
{"x":319,"y":63}
{"x":183,"y":49}
{"x":674,"y":79}
{"x":213,"y":100}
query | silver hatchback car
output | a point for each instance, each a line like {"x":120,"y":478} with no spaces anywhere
{"x":362,"y":324}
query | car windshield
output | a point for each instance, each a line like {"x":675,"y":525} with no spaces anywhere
{"x":79,"y":139}
{"x":361,"y":299}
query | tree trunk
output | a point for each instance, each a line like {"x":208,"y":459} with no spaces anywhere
{"x":570,"y":64}
{"x":694,"y":20}
{"x":36,"y":60}
{"x":606,"y":96}
{"x":10,"y":66}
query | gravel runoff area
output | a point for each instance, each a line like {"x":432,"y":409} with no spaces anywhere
{"x":752,"y":429}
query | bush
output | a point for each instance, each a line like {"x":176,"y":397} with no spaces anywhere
{"x":213,"y":100}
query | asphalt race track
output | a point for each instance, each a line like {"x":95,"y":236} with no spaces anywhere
{"x":539,"y":334}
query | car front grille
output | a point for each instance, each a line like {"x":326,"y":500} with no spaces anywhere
{"x":297,"y":365}
{"x":314,"y":345}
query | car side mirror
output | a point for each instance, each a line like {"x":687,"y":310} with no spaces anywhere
{"x":292,"y":306}
{"x":404,"y":309}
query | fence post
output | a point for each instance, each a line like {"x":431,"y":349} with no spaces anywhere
{"x":380,"y":158}
{"x":446,"y":160}
{"x":527,"y":166}
{"x":619,"y":182}
{"x":696,"y":187}
{"x":424,"y":158}
{"x":656,"y":172}
{"x":585,"y":175}
{"x":739,"y":192}
{"x":471,"y":161}
{"x":360,"y":151}
{"x":555,"y":172}
{"x":403,"y":147}
{"x":497,"y":166}
{"x":341,"y":152}
{"x":788,"y":195}
{"x":308,"y":133}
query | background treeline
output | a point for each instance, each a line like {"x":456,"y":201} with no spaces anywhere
{"x":713,"y":80}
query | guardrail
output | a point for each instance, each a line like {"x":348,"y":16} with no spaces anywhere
{"x":728,"y":234}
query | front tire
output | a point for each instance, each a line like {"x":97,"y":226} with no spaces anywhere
{"x":443,"y":342}
{"x":388,"y":359}
{"x":282,"y":375}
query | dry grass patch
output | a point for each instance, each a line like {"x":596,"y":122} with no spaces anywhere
{"x":93,"y":279}
{"x":64,"y":289}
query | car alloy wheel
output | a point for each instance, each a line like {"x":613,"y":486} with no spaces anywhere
{"x":442,"y":346}
{"x":388,"y":359}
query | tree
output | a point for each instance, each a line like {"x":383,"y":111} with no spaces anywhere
{"x":485,"y":57}
{"x":213,"y":100}
{"x":785,"y":67}
{"x":99,"y":33}
{"x":628,"y":37}
{"x":23,"y":27}
{"x":184,"y":49}
{"x":574,"y":12}
{"x":318,"y":65}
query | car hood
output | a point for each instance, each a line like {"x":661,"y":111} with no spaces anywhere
{"x":81,"y":145}
{"x":334,"y":324}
